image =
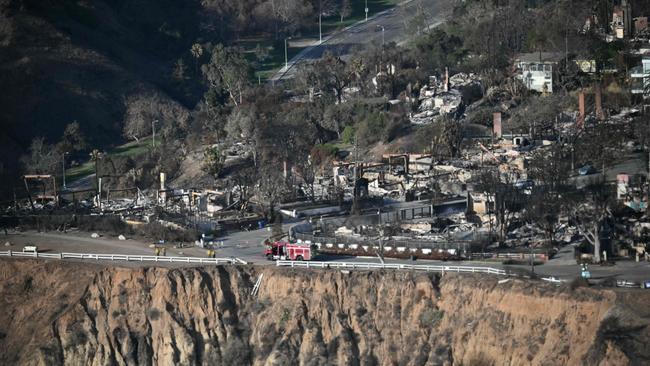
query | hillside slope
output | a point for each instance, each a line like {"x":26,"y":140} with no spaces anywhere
{"x":76,"y":60}
{"x":207,"y":316}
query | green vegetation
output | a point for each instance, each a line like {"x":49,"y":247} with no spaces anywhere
{"x":347,"y":137}
{"x":130,"y":149}
{"x":271,"y":57}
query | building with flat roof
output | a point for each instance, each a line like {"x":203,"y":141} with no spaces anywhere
{"x":640,"y":77}
{"x":535,"y":70}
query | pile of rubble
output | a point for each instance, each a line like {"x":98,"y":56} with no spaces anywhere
{"x":442,"y":97}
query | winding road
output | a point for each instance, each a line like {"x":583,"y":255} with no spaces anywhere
{"x":394,"y":22}
{"x":247,"y":245}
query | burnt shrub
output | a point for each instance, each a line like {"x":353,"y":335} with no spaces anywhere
{"x":578,"y":282}
{"x":157,"y":231}
{"x":430,"y":317}
{"x":154,"y":314}
{"x":360,"y":311}
{"x":28,"y":284}
{"x":77,"y":336}
{"x":107,"y":224}
{"x":236,"y":352}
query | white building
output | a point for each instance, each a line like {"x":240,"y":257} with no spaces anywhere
{"x":622,"y":20}
{"x":640,"y":76}
{"x":535,"y":70}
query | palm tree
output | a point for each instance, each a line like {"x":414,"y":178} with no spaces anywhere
{"x":95,"y":156}
{"x":197,"y":52}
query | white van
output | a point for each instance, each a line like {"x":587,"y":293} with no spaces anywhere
{"x":30,"y":249}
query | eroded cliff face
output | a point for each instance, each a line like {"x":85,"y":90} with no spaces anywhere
{"x":65,"y":313}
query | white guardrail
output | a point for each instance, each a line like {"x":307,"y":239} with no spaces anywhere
{"x":123,"y":257}
{"x":552,"y":280}
{"x":416,"y":267}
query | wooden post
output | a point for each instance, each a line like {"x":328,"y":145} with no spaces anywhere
{"x":56,"y":196}
{"x":581,"y":110}
{"x":31,"y":202}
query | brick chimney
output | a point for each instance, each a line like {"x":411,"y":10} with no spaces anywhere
{"x":599,"y":102}
{"x":496,"y":125}
{"x":446,"y":82}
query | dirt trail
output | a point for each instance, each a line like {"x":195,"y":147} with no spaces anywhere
{"x":82,"y":314}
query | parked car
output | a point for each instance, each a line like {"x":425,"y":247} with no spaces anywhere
{"x":524,"y":184}
{"x":586,"y":169}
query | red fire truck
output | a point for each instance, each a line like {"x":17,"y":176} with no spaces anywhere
{"x":283,"y":250}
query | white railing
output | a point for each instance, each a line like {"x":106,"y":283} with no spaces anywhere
{"x":123,"y":257}
{"x":417,"y":267}
{"x":628,"y":284}
{"x":553,"y":280}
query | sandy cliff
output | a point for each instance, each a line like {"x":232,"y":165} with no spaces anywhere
{"x":64,"y":313}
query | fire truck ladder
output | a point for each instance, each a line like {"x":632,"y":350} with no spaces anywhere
{"x":256,"y":288}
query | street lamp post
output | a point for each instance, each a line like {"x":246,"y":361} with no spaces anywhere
{"x":366,"y":10}
{"x":320,"y":29}
{"x":63,"y":161}
{"x":153,"y":130}
{"x":286,"y":56}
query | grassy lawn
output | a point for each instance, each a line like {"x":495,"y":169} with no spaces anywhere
{"x":79,"y":172}
{"x":275,"y":60}
{"x":131,"y":149}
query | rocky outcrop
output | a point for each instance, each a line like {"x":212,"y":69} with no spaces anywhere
{"x":65,"y":313}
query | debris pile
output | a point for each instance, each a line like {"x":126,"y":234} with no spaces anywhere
{"x":443,"y":97}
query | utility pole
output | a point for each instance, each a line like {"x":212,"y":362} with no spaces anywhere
{"x":366,"y":10}
{"x":153,"y":129}
{"x":95,"y":155}
{"x":320,"y":15}
{"x":566,"y":40}
{"x":532,"y":259}
{"x":355,"y":196}
{"x":286,"y":56}
{"x":63,"y":161}
{"x":647,"y":144}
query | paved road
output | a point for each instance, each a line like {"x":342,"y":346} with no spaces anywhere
{"x":247,"y":246}
{"x":394,"y":21}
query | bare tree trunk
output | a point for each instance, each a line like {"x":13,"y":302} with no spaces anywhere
{"x":232,"y":97}
{"x":597,"y":258}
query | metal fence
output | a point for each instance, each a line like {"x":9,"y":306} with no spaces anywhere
{"x":415,"y":267}
{"x":123,"y":257}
